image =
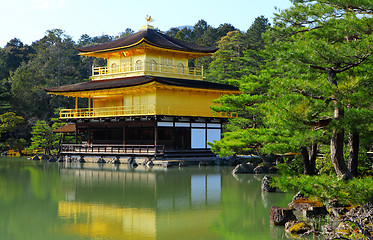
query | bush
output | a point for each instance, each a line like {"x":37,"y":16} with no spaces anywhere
{"x":328,"y":187}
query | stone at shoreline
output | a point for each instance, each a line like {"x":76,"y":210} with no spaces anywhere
{"x":266,"y":187}
{"x":243,"y":168}
{"x":261,"y":169}
{"x":304,"y":203}
{"x":81,"y":159}
{"x":115,"y":160}
{"x":279,"y":215}
{"x":101,"y":160}
{"x":315,"y":212}
{"x":132,"y":162}
{"x":337,"y":209}
{"x":297,"y":227}
{"x":297,"y":196}
{"x":273,"y":169}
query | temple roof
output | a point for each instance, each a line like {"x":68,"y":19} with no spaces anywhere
{"x":136,"y":81}
{"x":152,"y":37}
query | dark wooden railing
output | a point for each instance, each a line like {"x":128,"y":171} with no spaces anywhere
{"x":112,"y":149}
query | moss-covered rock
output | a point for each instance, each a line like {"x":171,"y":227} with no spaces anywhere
{"x":297,"y":227}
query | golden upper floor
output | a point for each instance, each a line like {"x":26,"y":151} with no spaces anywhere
{"x":147,"y":52}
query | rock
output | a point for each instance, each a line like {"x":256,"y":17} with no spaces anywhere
{"x":273,"y":170}
{"x":297,"y":196}
{"x":261,"y":169}
{"x":279,"y":215}
{"x":344,"y":229}
{"x":132,"y":162}
{"x":182,"y":164}
{"x":243,"y":168}
{"x":101,"y":160}
{"x":60,"y":159}
{"x":218,"y":161}
{"x":150,"y":163}
{"x":315,"y":212}
{"x":81,"y":159}
{"x":147,"y":162}
{"x":301,"y":204}
{"x":337,"y":209}
{"x":266,"y":187}
{"x":297,"y":227}
{"x":203,"y":163}
{"x":115,"y":160}
{"x":36,"y":158}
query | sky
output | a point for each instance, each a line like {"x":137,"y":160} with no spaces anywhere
{"x":28,"y":20}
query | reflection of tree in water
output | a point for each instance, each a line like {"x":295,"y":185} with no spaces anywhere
{"x":29,"y":198}
{"x":244,"y":209}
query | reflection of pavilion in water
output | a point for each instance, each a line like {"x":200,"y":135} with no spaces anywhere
{"x":140,"y":203}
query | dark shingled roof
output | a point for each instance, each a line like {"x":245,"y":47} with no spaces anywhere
{"x":135,"y":81}
{"x":152,"y":37}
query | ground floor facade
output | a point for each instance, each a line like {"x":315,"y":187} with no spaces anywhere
{"x":169,"y":133}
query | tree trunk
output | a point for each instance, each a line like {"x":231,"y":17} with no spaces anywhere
{"x":309,"y":160}
{"x":336,"y":145}
{"x":353,"y":144}
{"x":313,"y":157}
{"x":305,"y":159}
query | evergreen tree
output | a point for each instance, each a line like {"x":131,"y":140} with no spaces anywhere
{"x":43,"y":136}
{"x":319,"y":59}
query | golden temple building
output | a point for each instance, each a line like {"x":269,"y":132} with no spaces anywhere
{"x":146,"y":101}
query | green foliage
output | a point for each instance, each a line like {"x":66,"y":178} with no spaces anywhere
{"x":328,"y":187}
{"x":324,"y":165}
{"x":291,"y":167}
{"x":44,"y":138}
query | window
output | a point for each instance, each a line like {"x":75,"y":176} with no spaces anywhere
{"x":138,"y":65}
{"x":125,"y":64}
{"x":153,"y":65}
{"x":180,"y":68}
{"x":114,"y":68}
{"x":167,"y":64}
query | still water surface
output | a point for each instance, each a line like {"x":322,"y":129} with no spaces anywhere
{"x":40,"y":200}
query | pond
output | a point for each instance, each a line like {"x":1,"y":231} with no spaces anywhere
{"x":41,"y":200}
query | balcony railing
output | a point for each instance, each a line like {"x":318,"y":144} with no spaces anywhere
{"x":112,"y":149}
{"x":140,"y":110}
{"x":108,"y":111}
{"x":148,"y":67}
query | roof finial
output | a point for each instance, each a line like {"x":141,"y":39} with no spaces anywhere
{"x":148,"y":20}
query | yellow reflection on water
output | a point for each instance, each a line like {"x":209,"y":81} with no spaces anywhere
{"x":101,"y":221}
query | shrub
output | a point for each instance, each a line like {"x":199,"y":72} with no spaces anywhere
{"x":328,"y":187}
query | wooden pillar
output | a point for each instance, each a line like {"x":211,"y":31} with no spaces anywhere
{"x":124,"y":135}
{"x":155,"y":134}
{"x":89,"y":133}
{"x":89,"y":103}
{"x":76,"y":103}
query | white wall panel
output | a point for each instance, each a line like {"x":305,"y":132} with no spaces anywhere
{"x":198,"y":138}
{"x":213,"y":134}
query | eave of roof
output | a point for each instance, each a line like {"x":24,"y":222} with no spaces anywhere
{"x":67,"y":128}
{"x":140,"y":80}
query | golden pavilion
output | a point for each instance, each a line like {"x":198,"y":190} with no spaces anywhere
{"x":146,"y":101}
